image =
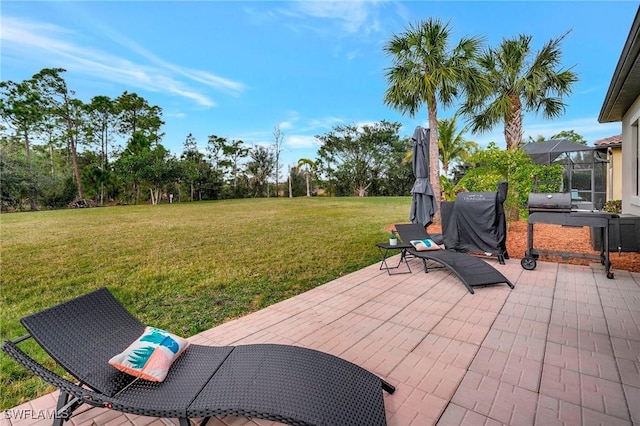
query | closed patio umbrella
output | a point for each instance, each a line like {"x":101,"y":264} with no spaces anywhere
{"x":423,"y":203}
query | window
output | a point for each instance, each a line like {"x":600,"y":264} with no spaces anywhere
{"x":581,"y":185}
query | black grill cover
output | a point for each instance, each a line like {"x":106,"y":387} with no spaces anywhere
{"x":476,"y":222}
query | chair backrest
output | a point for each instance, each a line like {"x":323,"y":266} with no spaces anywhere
{"x":411,"y":231}
{"x":82,"y":334}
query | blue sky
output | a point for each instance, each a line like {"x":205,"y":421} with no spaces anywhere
{"x":238,"y":69}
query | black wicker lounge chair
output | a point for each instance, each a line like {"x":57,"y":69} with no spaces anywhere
{"x":282,"y":383}
{"x":471,"y":270}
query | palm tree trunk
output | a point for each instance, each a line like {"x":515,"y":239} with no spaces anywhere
{"x":513,"y":127}
{"x":434,"y":162}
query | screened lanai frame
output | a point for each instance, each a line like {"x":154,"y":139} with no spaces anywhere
{"x":585,"y":176}
{"x":584,"y":170}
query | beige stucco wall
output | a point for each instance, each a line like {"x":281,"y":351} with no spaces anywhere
{"x":615,"y":193}
{"x":630,"y":201}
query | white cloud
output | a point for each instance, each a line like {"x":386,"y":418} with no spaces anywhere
{"x":351,"y":14}
{"x":350,"y":17}
{"x":199,"y":76}
{"x":292,"y":118}
{"x":301,"y":141}
{"x":213,"y":80}
{"x":285,"y":125}
{"x":43,"y":40}
{"x":324,"y":123}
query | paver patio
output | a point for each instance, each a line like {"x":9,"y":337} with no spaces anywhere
{"x":563,"y":347}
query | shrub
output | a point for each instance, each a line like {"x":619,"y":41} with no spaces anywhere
{"x":614,"y":206}
{"x":492,"y":165}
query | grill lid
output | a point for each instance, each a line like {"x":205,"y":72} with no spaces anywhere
{"x":550,"y":202}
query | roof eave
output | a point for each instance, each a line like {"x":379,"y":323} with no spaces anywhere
{"x":625,"y":83}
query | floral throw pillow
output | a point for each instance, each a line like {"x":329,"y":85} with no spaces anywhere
{"x":424,"y":245}
{"x":150,"y":356}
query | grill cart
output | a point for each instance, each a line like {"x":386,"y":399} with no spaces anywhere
{"x":555,"y":209}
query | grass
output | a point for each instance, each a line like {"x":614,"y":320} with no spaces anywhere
{"x":182,"y":267}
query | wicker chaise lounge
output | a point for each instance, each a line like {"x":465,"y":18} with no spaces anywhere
{"x":471,"y":270}
{"x":282,"y":383}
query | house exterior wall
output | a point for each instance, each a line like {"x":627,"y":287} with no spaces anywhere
{"x":630,"y":160}
{"x":614,"y":180}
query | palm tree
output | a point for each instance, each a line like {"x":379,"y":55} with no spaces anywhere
{"x":451,"y":145}
{"x":519,"y":83}
{"x":308,"y":166}
{"x":426,"y":70}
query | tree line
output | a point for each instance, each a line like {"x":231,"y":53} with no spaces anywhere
{"x":55,"y":149}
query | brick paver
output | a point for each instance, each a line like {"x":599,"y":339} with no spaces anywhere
{"x":556,"y":412}
{"x":562,"y":348}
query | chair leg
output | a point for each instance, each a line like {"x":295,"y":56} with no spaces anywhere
{"x":62,"y":401}
{"x":388,"y":387}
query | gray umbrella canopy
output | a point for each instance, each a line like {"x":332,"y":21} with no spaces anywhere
{"x":423,"y":202}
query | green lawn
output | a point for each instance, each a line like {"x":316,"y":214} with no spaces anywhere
{"x":183,"y":267}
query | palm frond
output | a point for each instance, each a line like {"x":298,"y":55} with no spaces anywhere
{"x":140,"y":356}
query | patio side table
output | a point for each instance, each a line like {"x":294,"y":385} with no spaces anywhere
{"x":385,"y":250}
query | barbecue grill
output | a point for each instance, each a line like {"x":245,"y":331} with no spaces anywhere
{"x":559,"y":202}
{"x":476,"y":223}
{"x":556,"y":209}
